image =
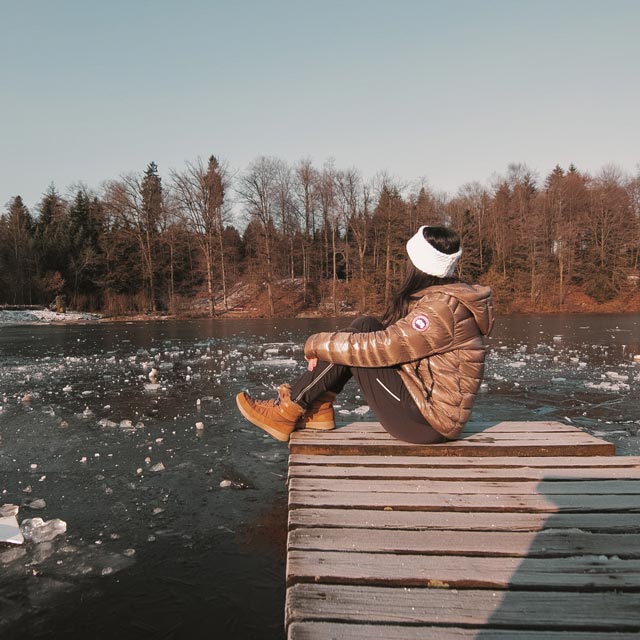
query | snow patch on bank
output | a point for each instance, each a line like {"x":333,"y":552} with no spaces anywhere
{"x":44,"y":316}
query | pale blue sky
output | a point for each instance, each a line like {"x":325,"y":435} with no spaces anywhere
{"x":450,"y":90}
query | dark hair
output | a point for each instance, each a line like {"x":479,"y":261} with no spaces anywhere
{"x":444,"y":240}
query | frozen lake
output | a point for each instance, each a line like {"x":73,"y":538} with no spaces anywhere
{"x":155,"y":546}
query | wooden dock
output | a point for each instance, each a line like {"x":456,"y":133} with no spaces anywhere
{"x":517,"y":531}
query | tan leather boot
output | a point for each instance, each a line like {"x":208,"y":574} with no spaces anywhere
{"x":277,"y":417}
{"x":320,"y":415}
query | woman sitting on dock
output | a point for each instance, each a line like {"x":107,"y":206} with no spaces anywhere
{"x":419,"y":369}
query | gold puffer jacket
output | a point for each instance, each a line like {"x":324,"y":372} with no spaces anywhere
{"x":439,"y":348}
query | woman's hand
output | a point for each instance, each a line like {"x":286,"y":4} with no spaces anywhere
{"x":312,"y":362}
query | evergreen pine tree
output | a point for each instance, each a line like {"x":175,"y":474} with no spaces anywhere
{"x":51,"y":242}
{"x":151,"y":191}
{"x":19,"y":253}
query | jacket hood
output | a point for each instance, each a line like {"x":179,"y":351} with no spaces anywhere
{"x":475,"y":297}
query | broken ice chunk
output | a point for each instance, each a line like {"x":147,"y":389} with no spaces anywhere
{"x":38,"y":503}
{"x":10,"y":531}
{"x":37,"y":530}
{"x":361,"y":410}
{"x":7,"y":510}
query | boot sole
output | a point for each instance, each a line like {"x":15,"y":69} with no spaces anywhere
{"x":256,"y":420}
{"x":316,"y":426}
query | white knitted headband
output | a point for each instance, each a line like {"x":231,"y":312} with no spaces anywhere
{"x":428,"y":259}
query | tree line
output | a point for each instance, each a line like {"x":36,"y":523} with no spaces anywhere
{"x":144,"y":243}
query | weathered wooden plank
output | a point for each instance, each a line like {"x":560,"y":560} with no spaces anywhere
{"x":516,"y":426}
{"x":555,"y":487}
{"x":501,"y":439}
{"x":460,"y":520}
{"x":320,"y":446}
{"x":469,"y":502}
{"x":463,"y":473}
{"x":580,"y":572}
{"x":343,"y":631}
{"x":477,"y":427}
{"x":493,"y":462}
{"x":339,"y":435}
{"x":559,"y":610}
{"x":533,"y":544}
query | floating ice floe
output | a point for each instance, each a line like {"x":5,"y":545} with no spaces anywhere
{"x":605,"y":385}
{"x":361,"y":410}
{"x":614,"y":375}
{"x":38,"y":503}
{"x":279,"y":362}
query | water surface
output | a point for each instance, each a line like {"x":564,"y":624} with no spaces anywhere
{"x":171,"y":553}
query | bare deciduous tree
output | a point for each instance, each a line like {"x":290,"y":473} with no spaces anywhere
{"x":200,"y":194}
{"x":256,"y":189}
{"x":135,"y":201}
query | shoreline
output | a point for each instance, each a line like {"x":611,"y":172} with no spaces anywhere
{"x":83,"y":318}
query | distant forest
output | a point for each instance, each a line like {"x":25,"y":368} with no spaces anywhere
{"x":316,"y":239}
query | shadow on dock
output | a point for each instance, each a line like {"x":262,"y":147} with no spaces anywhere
{"x":580,"y":576}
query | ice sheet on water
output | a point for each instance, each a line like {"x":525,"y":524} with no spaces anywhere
{"x":542,"y":411}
